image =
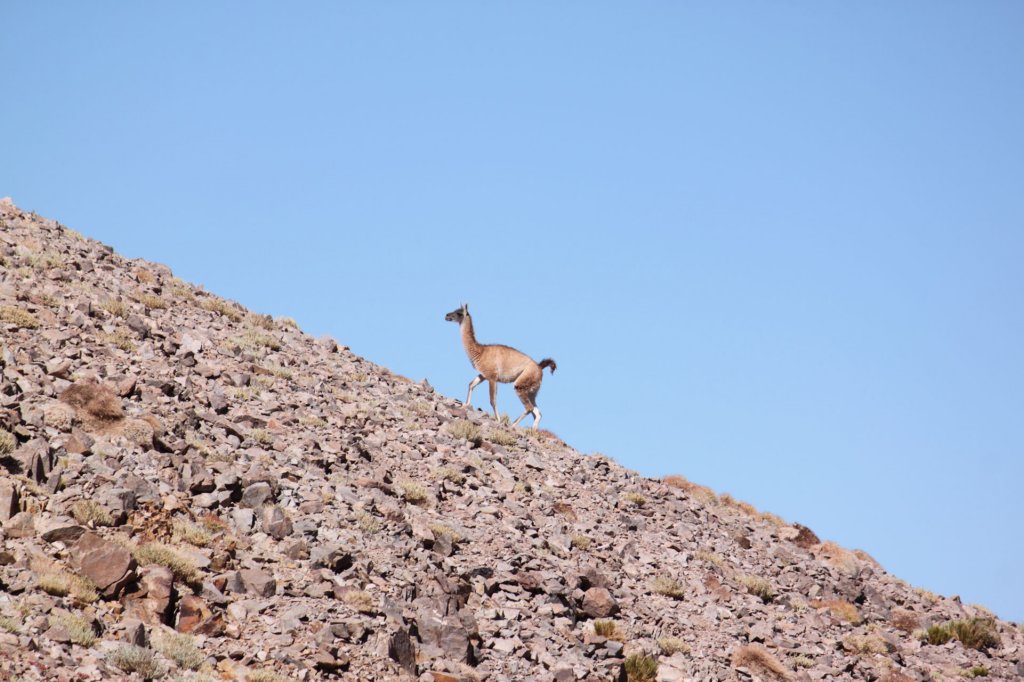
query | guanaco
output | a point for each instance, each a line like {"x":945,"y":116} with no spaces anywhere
{"x":496,"y":362}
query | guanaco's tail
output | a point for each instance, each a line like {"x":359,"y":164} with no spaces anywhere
{"x":548,"y":362}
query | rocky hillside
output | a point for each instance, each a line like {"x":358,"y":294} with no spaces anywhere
{"x":192,"y":491}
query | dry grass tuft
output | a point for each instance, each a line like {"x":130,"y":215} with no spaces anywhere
{"x":183,"y":568}
{"x":673,"y":645}
{"x":976,"y":671}
{"x":136,"y":659}
{"x":181,"y":649}
{"x":151,"y":301}
{"x":710,"y":557}
{"x":976,"y":633}
{"x":18,"y":317}
{"x":221,"y":307}
{"x":367,"y":522}
{"x":866,"y":644}
{"x":503,"y":438}
{"x":758,"y":659}
{"x":905,"y":620}
{"x":640,"y":668}
{"x":840,"y":557}
{"x":79,"y":629}
{"x":841,"y":609}
{"x":266,"y":675}
{"x":120,"y":338}
{"x":261,"y":436}
{"x":450,"y":475}
{"x":115,"y":307}
{"x":635,"y":498}
{"x":8,"y":443}
{"x":439,"y":529}
{"x":937,"y":635}
{"x":253,"y":340}
{"x":463,"y":428}
{"x":412,"y":492}
{"x":10,"y":625}
{"x":94,"y":400}
{"x":185,"y":531}
{"x":361,"y":601}
{"x":61,"y":583}
{"x":608,"y":629}
{"x":757,"y":586}
{"x":668,"y":586}
{"x":88,"y":512}
{"x":580,"y":541}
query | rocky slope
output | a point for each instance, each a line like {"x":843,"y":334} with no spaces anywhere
{"x":189,"y":490}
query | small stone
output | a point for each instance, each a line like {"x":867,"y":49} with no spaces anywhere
{"x":259,"y":583}
{"x":598,"y":602}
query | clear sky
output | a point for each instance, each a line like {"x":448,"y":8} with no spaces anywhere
{"x":777,"y":248}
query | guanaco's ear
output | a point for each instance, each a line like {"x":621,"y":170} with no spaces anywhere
{"x":465,"y":308}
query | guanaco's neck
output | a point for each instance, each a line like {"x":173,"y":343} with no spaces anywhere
{"x":473,"y":349}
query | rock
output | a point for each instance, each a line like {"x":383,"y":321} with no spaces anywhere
{"x":21,"y":525}
{"x":60,"y":530}
{"x":191,"y":612}
{"x":256,"y":495}
{"x":258,"y":582}
{"x":149,"y":598}
{"x":275,"y":523}
{"x":598,"y":602}
{"x":9,"y":500}
{"x":107,"y":564}
{"x":402,"y":651}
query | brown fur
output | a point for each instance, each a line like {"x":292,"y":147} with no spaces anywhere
{"x":757,"y":659}
{"x":498,"y":363}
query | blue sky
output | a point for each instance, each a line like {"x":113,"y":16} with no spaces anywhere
{"x":774,"y":247}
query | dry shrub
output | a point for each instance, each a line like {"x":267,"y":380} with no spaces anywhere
{"x":136,"y":659}
{"x":895,"y":676}
{"x":18,"y":317}
{"x":8,"y":443}
{"x":672,"y":645}
{"x":866,"y":644}
{"x":89,"y":512}
{"x":841,"y":558}
{"x":757,"y":586}
{"x":678,"y":482}
{"x":79,"y":630}
{"x":463,"y":428}
{"x":501,"y":438}
{"x":905,"y":620}
{"x":138,"y":432}
{"x":758,"y":659}
{"x":94,"y":401}
{"x":183,"y":568}
{"x":640,"y":668}
{"x":668,"y":586}
{"x":60,"y":416}
{"x":608,"y":629}
{"x":61,"y":583}
{"x":843,"y":610}
{"x":361,"y":601}
{"x":976,"y":633}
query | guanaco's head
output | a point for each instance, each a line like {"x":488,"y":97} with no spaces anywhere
{"x":458,"y":315}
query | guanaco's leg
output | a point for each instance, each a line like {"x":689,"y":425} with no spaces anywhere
{"x":473,"y":384}
{"x":493,"y":385}
{"x":527,"y":399}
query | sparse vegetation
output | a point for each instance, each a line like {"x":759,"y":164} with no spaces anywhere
{"x":503,"y":438}
{"x":59,"y":415}
{"x":757,"y":586}
{"x":608,"y":629}
{"x":253,"y":340}
{"x":88,"y":512}
{"x":61,"y":583}
{"x":635,"y":499}
{"x":97,"y":401}
{"x":261,"y":436}
{"x":413,"y":492}
{"x":8,"y":624}
{"x":463,"y":428}
{"x":18,"y":317}
{"x":579,"y":541}
{"x":976,"y":633}
{"x":315,"y":422}
{"x":221,"y":307}
{"x":905,"y":620}
{"x":361,"y":601}
{"x":668,"y":586}
{"x":79,"y":629}
{"x":641,"y":668}
{"x":136,"y":659}
{"x":843,"y":610}
{"x":181,"y":649}
{"x":865,"y":644}
{"x":976,"y":671}
{"x":367,"y":522}
{"x":279,"y":371}
{"x":439,"y":529}
{"x":673,"y":645}
{"x":151,"y":301}
{"x":191,"y":533}
{"x":183,"y":568}
{"x":937,"y":635}
{"x":802,"y":661}
{"x":451,"y":475}
{"x":710,"y":557}
{"x":119,"y":338}
{"x":266,"y":676}
{"x":7,"y":442}
{"x":115,"y":307}
{"x":759,"y":659}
